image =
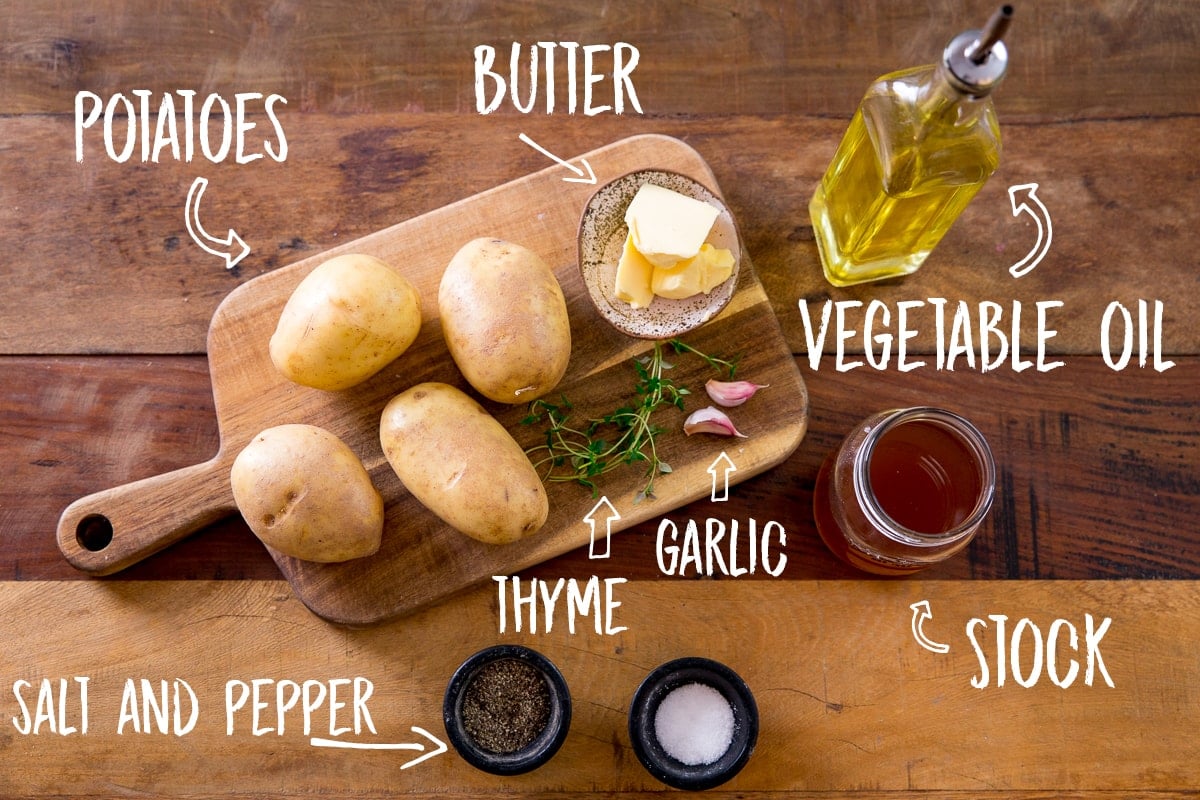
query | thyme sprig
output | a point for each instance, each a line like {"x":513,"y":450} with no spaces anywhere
{"x":626,"y":435}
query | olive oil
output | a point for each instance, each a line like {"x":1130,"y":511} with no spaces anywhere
{"x":921,"y":144}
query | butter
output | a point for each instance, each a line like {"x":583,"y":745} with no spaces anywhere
{"x":634,"y":276}
{"x":667,"y":227}
{"x":709,"y":268}
{"x":665,"y":254}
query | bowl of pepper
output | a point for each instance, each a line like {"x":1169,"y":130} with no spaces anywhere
{"x":507,"y":710}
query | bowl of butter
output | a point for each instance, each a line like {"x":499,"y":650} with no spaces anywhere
{"x":659,"y":253}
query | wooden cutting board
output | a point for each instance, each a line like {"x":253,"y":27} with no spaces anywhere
{"x":421,"y":560}
{"x":851,"y":706}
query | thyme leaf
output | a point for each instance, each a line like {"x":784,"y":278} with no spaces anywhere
{"x":579,"y":453}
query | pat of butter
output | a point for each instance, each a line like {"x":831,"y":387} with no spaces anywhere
{"x":709,"y":268}
{"x":667,"y":227}
{"x":634,"y":275}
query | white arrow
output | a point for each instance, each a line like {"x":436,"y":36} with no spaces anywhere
{"x":720,"y":485}
{"x":610,"y":517}
{"x":439,"y":746}
{"x":589,"y":177}
{"x":229,"y":244}
{"x":921,"y":612}
{"x":1045,"y":230}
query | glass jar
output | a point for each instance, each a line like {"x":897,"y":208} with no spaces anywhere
{"x":908,"y":488}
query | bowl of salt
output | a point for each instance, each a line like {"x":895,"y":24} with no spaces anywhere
{"x":693,"y":723}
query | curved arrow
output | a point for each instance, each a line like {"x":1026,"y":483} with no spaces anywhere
{"x":610,"y":517}
{"x":921,"y":613}
{"x":439,"y":746}
{"x":1037,"y":210}
{"x":590,"y":177}
{"x":207,"y":241}
{"x":723,"y":464}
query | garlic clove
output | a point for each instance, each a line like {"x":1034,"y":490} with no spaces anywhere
{"x":711,"y":420}
{"x":731,"y":393}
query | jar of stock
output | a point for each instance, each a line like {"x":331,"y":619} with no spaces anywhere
{"x":907,"y":488}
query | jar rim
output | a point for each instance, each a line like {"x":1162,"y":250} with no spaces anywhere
{"x":967,"y":433}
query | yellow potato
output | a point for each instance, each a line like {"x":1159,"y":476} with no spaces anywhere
{"x":306,"y":494}
{"x":462,"y":464}
{"x":505,"y":320}
{"x":346,"y":320}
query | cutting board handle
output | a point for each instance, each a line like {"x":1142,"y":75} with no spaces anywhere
{"x":116,"y":528}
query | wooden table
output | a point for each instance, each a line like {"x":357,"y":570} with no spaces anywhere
{"x":104,"y":380}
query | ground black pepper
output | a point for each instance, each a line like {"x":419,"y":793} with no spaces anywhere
{"x":505,"y":706}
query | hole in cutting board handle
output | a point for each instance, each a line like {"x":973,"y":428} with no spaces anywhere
{"x":112,"y":529}
{"x":94,"y":532}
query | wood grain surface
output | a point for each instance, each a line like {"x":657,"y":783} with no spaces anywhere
{"x":849,"y":703}
{"x":1093,"y":59}
{"x":366,"y":172}
{"x":105,"y":379}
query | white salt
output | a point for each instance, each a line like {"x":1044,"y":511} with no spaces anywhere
{"x":694,"y":724}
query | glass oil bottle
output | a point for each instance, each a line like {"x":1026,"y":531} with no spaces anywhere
{"x":922,"y":142}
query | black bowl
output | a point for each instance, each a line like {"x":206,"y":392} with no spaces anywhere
{"x":543,"y":746}
{"x":644,"y":707}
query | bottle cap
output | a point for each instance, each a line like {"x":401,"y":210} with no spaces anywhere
{"x":977,"y":60}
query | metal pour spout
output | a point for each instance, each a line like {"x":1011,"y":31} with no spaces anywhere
{"x":993,"y":32}
{"x":977,"y":60}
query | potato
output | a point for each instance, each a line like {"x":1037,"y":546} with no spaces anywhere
{"x":505,"y":320}
{"x":455,"y":458}
{"x":345,"y":321}
{"x":306,"y":494}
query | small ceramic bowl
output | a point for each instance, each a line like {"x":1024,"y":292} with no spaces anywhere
{"x":543,"y":745}
{"x":643,"y":711}
{"x":602,"y":233}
